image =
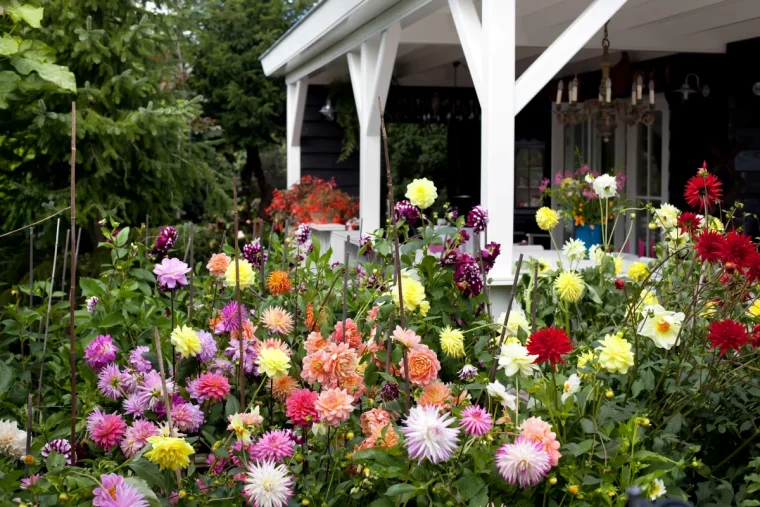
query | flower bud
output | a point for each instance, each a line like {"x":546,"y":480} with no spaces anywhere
{"x":217,"y":444}
{"x":573,"y":489}
{"x":29,"y":459}
{"x":366,"y":471}
{"x":182,"y":493}
{"x":350,"y":435}
{"x":552,"y":481}
{"x":619,"y":283}
{"x":609,"y":394}
{"x":306,"y":502}
{"x":645,"y":422}
{"x":63,"y":497}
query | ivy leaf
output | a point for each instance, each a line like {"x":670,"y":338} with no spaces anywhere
{"x":32,"y":15}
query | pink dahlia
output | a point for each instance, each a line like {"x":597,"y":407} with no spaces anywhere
{"x":475,"y":421}
{"x":106,"y":430}
{"x":136,"y":437}
{"x":334,"y":406}
{"x":171,"y":273}
{"x":133,"y":405}
{"x":524,"y":462}
{"x":351,"y":336}
{"x":273,"y":445}
{"x":28,"y":482}
{"x":300,"y":407}
{"x":208,"y":347}
{"x":138,"y":361}
{"x":209,"y":386}
{"x":111,"y":381}
{"x":100,"y":352}
{"x":114,"y":492}
{"x":537,"y":430}
{"x":187,"y":417}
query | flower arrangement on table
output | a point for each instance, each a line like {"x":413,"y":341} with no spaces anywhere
{"x":312,"y":200}
{"x":388,"y":382}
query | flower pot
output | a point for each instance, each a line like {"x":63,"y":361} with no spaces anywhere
{"x":590,"y":234}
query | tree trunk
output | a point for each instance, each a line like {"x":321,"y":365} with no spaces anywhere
{"x":253,"y":164}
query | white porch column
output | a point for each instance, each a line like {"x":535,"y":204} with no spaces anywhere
{"x":498,"y":129}
{"x":296,"y":102}
{"x":371,"y":69}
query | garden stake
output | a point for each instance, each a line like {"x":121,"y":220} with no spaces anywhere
{"x":72,"y":284}
{"x":345,"y":285}
{"x":535,"y":298}
{"x":485,"y":277}
{"x":396,"y":253}
{"x":28,"y":430}
{"x":31,"y":267}
{"x":65,"y":257}
{"x":492,"y":374}
{"x":167,"y":398}
{"x":174,"y":354}
{"x":388,"y":346}
{"x":192,"y":271}
{"x":147,"y":228}
{"x":241,"y":337}
{"x":47,"y":314}
{"x":285,"y":245}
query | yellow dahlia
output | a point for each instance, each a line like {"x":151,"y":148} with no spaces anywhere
{"x":422,"y":193}
{"x":452,"y":342}
{"x":615,"y":353}
{"x":272,"y":362}
{"x":638,"y":271}
{"x":546,"y":218}
{"x":569,"y":286}
{"x":413,"y":292}
{"x":186,"y":340}
{"x":247,"y":275}
{"x":170,"y":452}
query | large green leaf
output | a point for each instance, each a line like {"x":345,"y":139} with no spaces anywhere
{"x":8,"y":45}
{"x":8,"y":82}
{"x":144,"y":488}
{"x":32,"y":15}
{"x":7,"y":376}
{"x":56,"y":74}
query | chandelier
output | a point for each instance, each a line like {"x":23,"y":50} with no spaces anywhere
{"x":604,"y":109}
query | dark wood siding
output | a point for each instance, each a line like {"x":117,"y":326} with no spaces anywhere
{"x":321,"y":141}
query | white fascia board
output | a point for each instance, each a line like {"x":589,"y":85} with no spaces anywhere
{"x":383,"y":21}
{"x":314,"y":26}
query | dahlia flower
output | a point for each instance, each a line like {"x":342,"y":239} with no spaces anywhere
{"x":246,"y":275}
{"x":92,"y":303}
{"x":208,"y":347}
{"x":406,"y":337}
{"x":477,"y":218}
{"x":389,"y":391}
{"x":571,"y":386}
{"x":727,"y":335}
{"x":59,"y":446}
{"x":272,"y":362}
{"x":404,"y":210}
{"x":28,"y":482}
{"x":100,"y":352}
{"x":546,"y":218}
{"x":421,"y":193}
{"x":413,"y":292}
{"x":233,"y":352}
{"x":524,"y":462}
{"x":268,"y":484}
{"x":169,"y":452}
{"x":137,"y":436}
{"x":186,"y":340}
{"x":569,"y":286}
{"x":303,"y":233}
{"x":151,"y":391}
{"x":278,"y":282}
{"x":218,"y":264}
{"x":171,"y":273}
{"x":574,"y":249}
{"x":277,"y":320}
{"x":514,"y":358}
{"x":187,"y":417}
{"x":255,"y":254}
{"x":710,"y":246}
{"x":283,"y":386}
{"x":605,"y":186}
{"x":106,"y":430}
{"x":110,"y":382}
{"x":662,"y":326}
{"x":468,"y":372}
{"x":549,"y":344}
{"x":638,"y":271}
{"x":138,"y":361}
{"x":499,"y":394}
{"x":429,"y":435}
{"x":538,"y":430}
{"x":209,"y":386}
{"x":452,"y":342}
{"x":703,"y":189}
{"x":615,"y":353}
{"x":334,"y":406}
{"x":423,"y":365}
{"x":476,"y":421}
{"x":273,"y":445}
{"x":114,"y":492}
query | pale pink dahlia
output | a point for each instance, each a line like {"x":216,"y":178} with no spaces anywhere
{"x":475,"y":421}
{"x":114,"y":492}
{"x":136,"y":437}
{"x":138,"y":361}
{"x":524,"y":462}
{"x":334,"y":406}
{"x":171,"y":273}
{"x":538,"y":430}
{"x":429,"y":435}
{"x":106,"y":430}
{"x":30,"y":481}
{"x":273,"y":445}
{"x":277,"y":320}
{"x":187,"y":417}
{"x":133,"y":405}
{"x":209,"y":386}
{"x":111,"y":382}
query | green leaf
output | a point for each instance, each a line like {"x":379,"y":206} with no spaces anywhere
{"x":143,"y":487}
{"x":56,"y":74}
{"x":7,"y":376}
{"x":91,"y":287}
{"x":588,"y":426}
{"x":232,"y":406}
{"x":121,"y":238}
{"x":469,"y":486}
{"x":112,"y":319}
{"x":32,"y":15}
{"x":8,"y":82}
{"x":148,"y":472}
{"x":8,"y":45}
{"x":400,"y":489}
{"x":55,"y":461}
{"x":381,"y":502}
{"x":378,"y":456}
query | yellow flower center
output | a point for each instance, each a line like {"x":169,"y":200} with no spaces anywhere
{"x":112,"y":492}
{"x":268,"y":484}
{"x":663,"y":326}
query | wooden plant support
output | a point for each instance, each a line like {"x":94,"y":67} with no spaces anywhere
{"x":167,"y":398}
{"x":47,"y":313}
{"x":72,"y":285}
{"x":241,"y":337}
{"x":192,"y":272}
{"x":345,"y":285}
{"x":396,"y":250}
{"x":65,"y":258}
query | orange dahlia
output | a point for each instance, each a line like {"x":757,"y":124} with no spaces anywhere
{"x":282,"y":386}
{"x":310,"y":322}
{"x":278,"y":282}
{"x":435,"y":394}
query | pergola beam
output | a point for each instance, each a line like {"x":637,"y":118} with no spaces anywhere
{"x":296,"y":103}
{"x":469,"y":30}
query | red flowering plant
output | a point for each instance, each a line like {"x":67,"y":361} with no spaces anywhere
{"x":673,"y":341}
{"x":312,"y":200}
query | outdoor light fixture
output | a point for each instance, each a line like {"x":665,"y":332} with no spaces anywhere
{"x":604,"y":109}
{"x":328,"y":111}
{"x":686,"y":90}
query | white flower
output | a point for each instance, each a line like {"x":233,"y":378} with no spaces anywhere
{"x":499,"y":393}
{"x":517,"y":321}
{"x":12,"y":440}
{"x":319,"y":429}
{"x":605,"y":186}
{"x":268,"y":484}
{"x":429,"y":435}
{"x":572,"y":385}
{"x":666,"y":216}
{"x":589,"y":178}
{"x":596,"y":254}
{"x":514,"y":358}
{"x":656,"y":489}
{"x":661,"y":325}
{"x":574,"y":249}
{"x":675,"y":238}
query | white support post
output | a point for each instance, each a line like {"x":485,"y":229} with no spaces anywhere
{"x":566,"y":46}
{"x":469,"y":30}
{"x":498,"y":129}
{"x":296,"y":102}
{"x":371,"y":70}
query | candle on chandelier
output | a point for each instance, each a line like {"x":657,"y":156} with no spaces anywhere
{"x":559,"y":92}
{"x":575,"y":89}
{"x":608,"y":96}
{"x":639,"y":87}
{"x":651,"y":92}
{"x":633,"y":94}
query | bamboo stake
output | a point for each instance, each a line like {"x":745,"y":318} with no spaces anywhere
{"x":345,"y":286}
{"x":72,"y":285}
{"x":492,"y":374}
{"x":65,"y":258}
{"x":192,"y":272}
{"x":79,"y":236}
{"x":167,"y":398}
{"x":47,"y":315}
{"x":535,"y":298}
{"x":31,"y":267}
{"x":388,"y":341}
{"x":241,"y":338}
{"x":396,"y":253}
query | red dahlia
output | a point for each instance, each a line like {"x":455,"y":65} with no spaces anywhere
{"x":756,"y":336}
{"x":727,"y":335}
{"x":549,"y":344}
{"x":709,"y":246}
{"x":738,"y":248}
{"x":689,"y":222}
{"x":753,"y":268}
{"x":703,"y":188}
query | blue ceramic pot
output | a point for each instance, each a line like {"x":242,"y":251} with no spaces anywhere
{"x":589,"y":236}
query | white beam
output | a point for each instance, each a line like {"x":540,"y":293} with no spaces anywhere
{"x":381,"y":78}
{"x":399,"y":11}
{"x":355,"y":71}
{"x":498,"y":128}
{"x":563,"y":49}
{"x":296,"y":103}
{"x":469,"y":29}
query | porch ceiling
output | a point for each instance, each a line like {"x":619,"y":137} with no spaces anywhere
{"x":429,"y":41}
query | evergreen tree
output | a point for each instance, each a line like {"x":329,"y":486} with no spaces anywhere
{"x":249,"y":106}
